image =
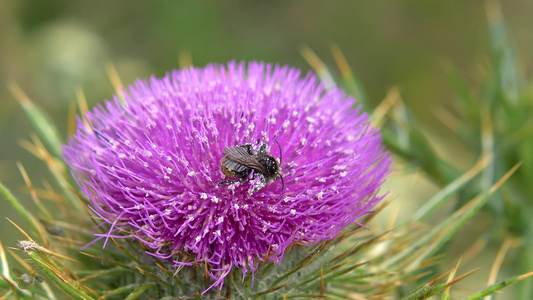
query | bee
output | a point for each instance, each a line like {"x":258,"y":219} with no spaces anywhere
{"x":53,"y":229}
{"x":56,"y":230}
{"x":241,"y":160}
{"x":25,"y":280}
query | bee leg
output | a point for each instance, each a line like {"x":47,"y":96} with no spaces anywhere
{"x":262,"y":149}
{"x":248,"y":148}
{"x":243,"y":177}
{"x":227,"y":181}
{"x":261,"y":184}
{"x":230,"y":181}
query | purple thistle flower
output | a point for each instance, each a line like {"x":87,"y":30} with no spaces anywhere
{"x":150,"y":166}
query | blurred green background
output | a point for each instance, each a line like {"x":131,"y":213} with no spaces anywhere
{"x":52,"y":48}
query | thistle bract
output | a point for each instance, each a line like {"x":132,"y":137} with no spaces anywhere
{"x":150,"y":164}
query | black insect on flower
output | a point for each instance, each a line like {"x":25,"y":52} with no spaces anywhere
{"x":241,"y":161}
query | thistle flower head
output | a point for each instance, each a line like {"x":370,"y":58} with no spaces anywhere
{"x":151,"y":164}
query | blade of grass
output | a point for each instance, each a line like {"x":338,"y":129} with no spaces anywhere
{"x":378,"y":115}
{"x":494,"y":288}
{"x":351,"y":83}
{"x":3,"y":261}
{"x":115,"y":81}
{"x":506,"y":65}
{"x":40,"y":122}
{"x":304,"y":296}
{"x":447,"y":229}
{"x":467,"y":105}
{"x":26,"y":215}
{"x":432,"y":288}
{"x":497,"y":263}
{"x":330,"y":274}
{"x":412,"y":256}
{"x":422,"y":291}
{"x":446,"y":293}
{"x":57,"y":168}
{"x":111,"y":261}
{"x":185,"y":59}
{"x":82,"y":104}
{"x":120,"y":290}
{"x":449,"y":191}
{"x":263,"y":293}
{"x":140,"y":290}
{"x":301,"y":264}
{"x":33,"y":193}
{"x":407,"y":141}
{"x":318,"y":65}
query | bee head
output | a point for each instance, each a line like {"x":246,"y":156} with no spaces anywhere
{"x":270,"y":164}
{"x":273,"y":170}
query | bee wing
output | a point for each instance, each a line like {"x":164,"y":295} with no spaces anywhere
{"x":239,"y":155}
{"x":24,"y":281}
{"x":24,"y":285}
{"x":18,"y":272}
